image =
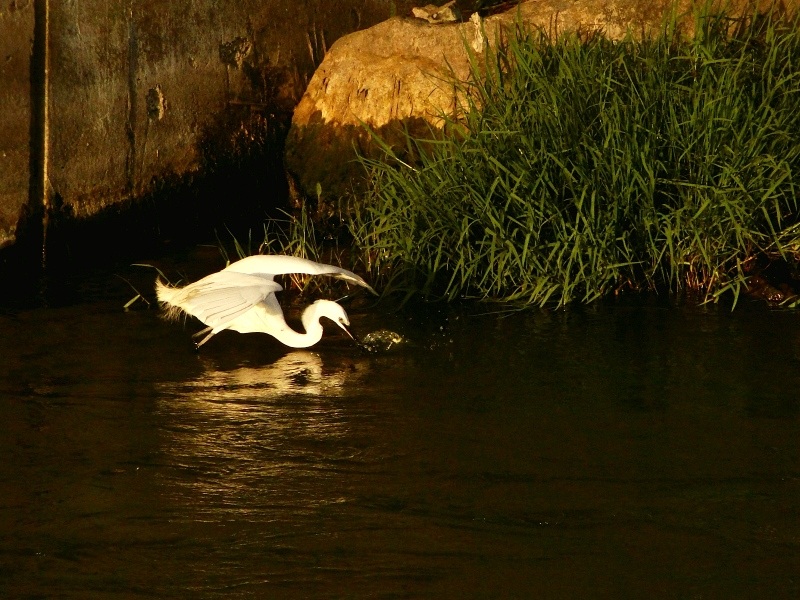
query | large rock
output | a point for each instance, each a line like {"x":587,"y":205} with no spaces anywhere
{"x":398,"y":75}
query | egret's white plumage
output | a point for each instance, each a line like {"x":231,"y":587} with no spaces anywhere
{"x":241,"y":297}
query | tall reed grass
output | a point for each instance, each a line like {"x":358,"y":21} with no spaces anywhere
{"x":576,"y":168}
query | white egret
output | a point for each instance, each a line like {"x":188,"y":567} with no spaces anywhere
{"x":241,"y":297}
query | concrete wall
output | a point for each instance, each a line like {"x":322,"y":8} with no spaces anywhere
{"x":16,"y":25}
{"x":134,"y":87}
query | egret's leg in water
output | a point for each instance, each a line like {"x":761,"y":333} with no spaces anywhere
{"x":205,"y":339}
{"x":201,"y":332}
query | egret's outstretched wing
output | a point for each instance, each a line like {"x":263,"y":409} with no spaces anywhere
{"x":265,"y":317}
{"x":218,"y":298}
{"x":270,"y":265}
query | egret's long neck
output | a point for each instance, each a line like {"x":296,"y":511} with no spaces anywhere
{"x":313,"y":333}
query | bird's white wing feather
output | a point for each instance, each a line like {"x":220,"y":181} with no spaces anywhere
{"x":220,"y":297}
{"x":269,"y":265}
{"x":265,"y":317}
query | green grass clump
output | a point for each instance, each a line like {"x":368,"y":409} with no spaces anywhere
{"x":576,"y":168}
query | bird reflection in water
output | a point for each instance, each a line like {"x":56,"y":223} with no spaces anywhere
{"x":299,"y":372}
{"x":280,"y":429}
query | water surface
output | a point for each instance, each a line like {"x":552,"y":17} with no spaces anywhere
{"x":615,"y":451}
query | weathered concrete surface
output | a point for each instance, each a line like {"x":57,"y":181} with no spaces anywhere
{"x":16,"y":23}
{"x":397,"y":74}
{"x":138,"y":89}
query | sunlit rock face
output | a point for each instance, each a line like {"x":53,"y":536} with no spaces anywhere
{"x":398,"y":74}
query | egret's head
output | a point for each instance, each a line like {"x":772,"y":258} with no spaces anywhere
{"x":334,"y":312}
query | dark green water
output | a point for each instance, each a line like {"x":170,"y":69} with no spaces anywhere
{"x":609,"y":452}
